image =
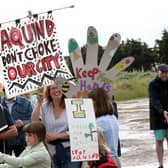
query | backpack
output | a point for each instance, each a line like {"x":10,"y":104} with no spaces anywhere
{"x":104,"y":162}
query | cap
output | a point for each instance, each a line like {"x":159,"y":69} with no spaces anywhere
{"x":163,"y":68}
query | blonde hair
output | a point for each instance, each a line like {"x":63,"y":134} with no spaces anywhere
{"x":102,"y":142}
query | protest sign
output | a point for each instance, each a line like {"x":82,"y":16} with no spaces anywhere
{"x":82,"y":129}
{"x":30,"y":54}
{"x":91,"y":65}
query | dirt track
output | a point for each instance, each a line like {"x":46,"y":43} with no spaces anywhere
{"x":137,"y":141}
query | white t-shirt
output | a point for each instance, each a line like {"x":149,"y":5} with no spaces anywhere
{"x":10,"y":104}
{"x":54,"y":125}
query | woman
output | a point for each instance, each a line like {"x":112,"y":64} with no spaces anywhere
{"x":36,"y":153}
{"x":106,"y":120}
{"x":53,"y":115}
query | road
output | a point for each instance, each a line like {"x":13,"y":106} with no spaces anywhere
{"x":137,"y":141}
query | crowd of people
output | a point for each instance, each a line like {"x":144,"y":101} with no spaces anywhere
{"x":35,"y":132}
{"x":38,"y":133}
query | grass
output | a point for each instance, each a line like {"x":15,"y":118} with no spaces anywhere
{"x":134,"y":85}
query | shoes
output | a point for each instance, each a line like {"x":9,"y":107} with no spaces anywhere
{"x":160,"y":167}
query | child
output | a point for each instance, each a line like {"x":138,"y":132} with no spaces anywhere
{"x":105,"y":160}
{"x":36,"y":153}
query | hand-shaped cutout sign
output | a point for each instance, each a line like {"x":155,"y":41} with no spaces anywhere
{"x":92,"y":75}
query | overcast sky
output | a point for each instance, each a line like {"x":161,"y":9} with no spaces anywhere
{"x":136,"y":19}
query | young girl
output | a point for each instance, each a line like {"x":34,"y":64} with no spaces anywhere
{"x":105,"y":159}
{"x":36,"y":153}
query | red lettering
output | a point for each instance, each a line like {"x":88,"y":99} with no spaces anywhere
{"x":75,"y":152}
{"x":5,"y":40}
{"x":16,"y":37}
{"x":80,"y":152}
{"x":12,"y":73}
{"x":40,"y":29}
{"x":55,"y":59}
{"x":30,"y":34}
{"x":39,"y":69}
{"x":78,"y":157}
{"x":30,"y":69}
{"x":90,"y":73}
{"x":84,"y":74}
{"x":78,"y":73}
{"x":49,"y":27}
{"x":84,"y":151}
{"x":44,"y":64}
{"x":95,"y":71}
{"x":97,"y":156}
{"x":21,"y":72}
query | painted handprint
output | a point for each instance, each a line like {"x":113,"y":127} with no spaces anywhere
{"x":91,"y":74}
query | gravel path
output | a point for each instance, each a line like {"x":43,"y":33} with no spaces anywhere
{"x":137,"y":141}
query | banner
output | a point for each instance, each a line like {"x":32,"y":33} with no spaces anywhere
{"x":30,"y":54}
{"x":82,"y":129}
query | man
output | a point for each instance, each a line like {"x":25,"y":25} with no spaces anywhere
{"x":9,"y":132}
{"x":158,"y":97}
{"x":20,"y":110}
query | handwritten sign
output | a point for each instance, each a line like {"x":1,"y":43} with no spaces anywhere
{"x":94,"y":73}
{"x":90,"y":71}
{"x":30,"y":54}
{"x":83,"y":130}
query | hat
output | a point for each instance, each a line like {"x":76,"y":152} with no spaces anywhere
{"x":163,"y":68}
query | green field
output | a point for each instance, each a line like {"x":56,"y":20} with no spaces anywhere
{"x":134,"y":85}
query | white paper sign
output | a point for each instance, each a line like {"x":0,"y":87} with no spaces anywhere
{"x":30,"y":55}
{"x":83,"y":129}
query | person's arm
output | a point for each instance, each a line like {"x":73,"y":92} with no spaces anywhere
{"x":57,"y":136}
{"x":24,"y":161}
{"x":36,"y":111}
{"x":11,"y":130}
{"x":9,"y":133}
{"x":6,"y":166}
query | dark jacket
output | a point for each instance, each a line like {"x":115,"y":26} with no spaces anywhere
{"x":21,"y":110}
{"x":10,"y":122}
{"x":158,"y":102}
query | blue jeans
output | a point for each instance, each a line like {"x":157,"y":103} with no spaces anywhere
{"x":67,"y":161}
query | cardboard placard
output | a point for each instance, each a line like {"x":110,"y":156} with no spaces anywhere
{"x":82,"y":129}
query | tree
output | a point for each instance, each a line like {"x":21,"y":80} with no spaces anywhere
{"x":139,"y":50}
{"x":161,"y":48}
